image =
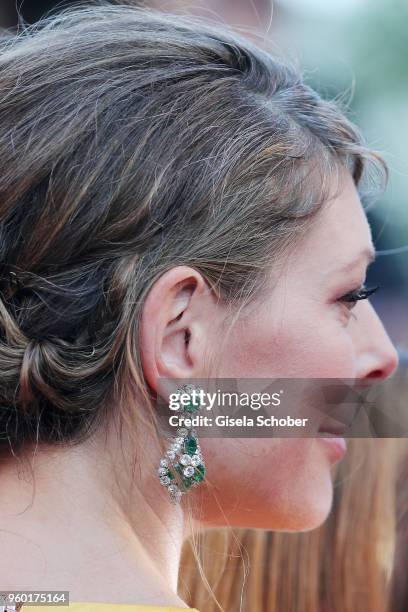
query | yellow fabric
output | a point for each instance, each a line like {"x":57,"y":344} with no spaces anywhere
{"x":105,"y":607}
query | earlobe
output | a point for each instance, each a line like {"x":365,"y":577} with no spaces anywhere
{"x":173,"y":326}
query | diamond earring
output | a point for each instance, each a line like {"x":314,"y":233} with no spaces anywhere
{"x":183,"y":465}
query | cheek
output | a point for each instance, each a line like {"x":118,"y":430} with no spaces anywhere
{"x":308,"y":343}
{"x":269,"y":484}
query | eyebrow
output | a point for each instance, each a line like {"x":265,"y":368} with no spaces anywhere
{"x":368,"y":254}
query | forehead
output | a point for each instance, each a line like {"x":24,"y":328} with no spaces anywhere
{"x":340,"y":231}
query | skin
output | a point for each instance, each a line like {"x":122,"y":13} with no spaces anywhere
{"x":298,"y":328}
{"x":122,"y":543}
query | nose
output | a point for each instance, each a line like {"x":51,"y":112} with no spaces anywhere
{"x":377,"y":357}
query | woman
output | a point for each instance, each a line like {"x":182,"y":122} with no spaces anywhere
{"x":175,"y":203}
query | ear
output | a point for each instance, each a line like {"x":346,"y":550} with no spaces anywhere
{"x":175,"y":321}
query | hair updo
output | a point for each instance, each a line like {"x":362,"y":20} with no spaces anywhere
{"x":133,"y":141}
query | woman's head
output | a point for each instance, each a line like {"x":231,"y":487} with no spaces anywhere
{"x":163,"y":181}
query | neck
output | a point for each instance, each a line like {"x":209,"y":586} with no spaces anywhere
{"x":76,"y":521}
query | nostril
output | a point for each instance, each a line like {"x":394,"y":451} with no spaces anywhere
{"x":376,"y":374}
{"x":389,"y":366}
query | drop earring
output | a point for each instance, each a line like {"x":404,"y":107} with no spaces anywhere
{"x":183,"y":465}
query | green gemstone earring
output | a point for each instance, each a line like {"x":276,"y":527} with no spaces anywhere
{"x":183,"y":465}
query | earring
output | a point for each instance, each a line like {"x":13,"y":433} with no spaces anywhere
{"x":183,"y":465}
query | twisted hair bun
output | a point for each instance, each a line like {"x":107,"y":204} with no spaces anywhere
{"x":43,"y":390}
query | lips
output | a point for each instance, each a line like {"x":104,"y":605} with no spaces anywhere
{"x":332,"y":427}
{"x":331,"y":433}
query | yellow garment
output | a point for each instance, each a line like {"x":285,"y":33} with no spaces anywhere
{"x":105,"y":607}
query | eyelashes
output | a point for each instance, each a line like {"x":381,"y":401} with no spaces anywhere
{"x":362,"y":293}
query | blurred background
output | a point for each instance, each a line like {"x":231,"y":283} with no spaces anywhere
{"x":353,"y":49}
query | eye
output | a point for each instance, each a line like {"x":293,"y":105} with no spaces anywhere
{"x":362,"y":293}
